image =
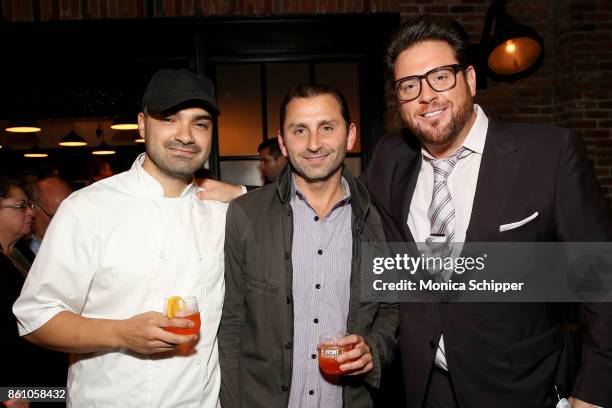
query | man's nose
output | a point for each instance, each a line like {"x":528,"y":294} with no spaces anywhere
{"x":314,"y":141}
{"x":184,"y":133}
{"x":427,"y":93}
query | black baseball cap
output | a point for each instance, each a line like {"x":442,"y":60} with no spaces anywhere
{"x":169,"y":88}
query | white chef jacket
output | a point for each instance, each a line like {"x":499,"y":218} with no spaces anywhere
{"x":116,"y":249}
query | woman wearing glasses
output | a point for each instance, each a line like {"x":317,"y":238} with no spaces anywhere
{"x":36,"y":366}
{"x":16,"y":218}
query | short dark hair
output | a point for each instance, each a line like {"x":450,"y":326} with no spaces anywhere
{"x":310,"y":90}
{"x":429,"y":28}
{"x":272,"y":145}
{"x":5,"y":186}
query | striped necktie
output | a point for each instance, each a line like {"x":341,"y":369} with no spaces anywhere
{"x":441,"y":211}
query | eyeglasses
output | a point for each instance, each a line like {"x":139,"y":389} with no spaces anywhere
{"x":42,"y":209}
{"x":439,"y":79}
{"x":22,"y":206}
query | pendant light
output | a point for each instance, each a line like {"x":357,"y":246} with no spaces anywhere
{"x":512,"y":51}
{"x":72,"y":139}
{"x":35,"y":152}
{"x":23,"y":126}
{"x":125,"y":122}
{"x":103,"y":149}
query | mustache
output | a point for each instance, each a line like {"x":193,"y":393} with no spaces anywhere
{"x":173,"y":144}
{"x":307,"y":154}
{"x":430,"y":108}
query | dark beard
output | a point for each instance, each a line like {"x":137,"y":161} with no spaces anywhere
{"x":449,"y":133}
{"x":177,"y":172}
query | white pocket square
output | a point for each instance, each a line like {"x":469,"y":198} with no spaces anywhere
{"x":513,"y":225}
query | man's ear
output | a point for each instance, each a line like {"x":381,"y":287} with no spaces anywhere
{"x":470,"y":75}
{"x":352,"y":136}
{"x":141,"y":125}
{"x":281,"y":143}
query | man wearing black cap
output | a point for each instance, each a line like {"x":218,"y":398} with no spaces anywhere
{"x":118,"y":248}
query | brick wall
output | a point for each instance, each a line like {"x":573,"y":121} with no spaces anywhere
{"x":583,"y":93}
{"x":44,"y":10}
{"x":573,"y":88}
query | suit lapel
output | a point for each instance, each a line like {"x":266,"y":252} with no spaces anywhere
{"x":496,"y":176}
{"x":404,"y":179}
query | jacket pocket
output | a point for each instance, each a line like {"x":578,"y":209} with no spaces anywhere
{"x":536,"y":348}
{"x":517,"y":224}
{"x":261,"y":287}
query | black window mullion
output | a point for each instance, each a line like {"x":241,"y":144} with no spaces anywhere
{"x":264,"y":99}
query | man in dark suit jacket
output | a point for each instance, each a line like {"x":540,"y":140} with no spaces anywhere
{"x":535,"y":178}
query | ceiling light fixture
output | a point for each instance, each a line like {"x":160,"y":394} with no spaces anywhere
{"x":23,"y":126}
{"x":510,"y":50}
{"x":72,"y":139}
{"x":35,"y":153}
{"x":125,"y":122}
{"x":103,"y":149}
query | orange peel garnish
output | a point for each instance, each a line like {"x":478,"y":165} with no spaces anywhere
{"x":175,"y":305}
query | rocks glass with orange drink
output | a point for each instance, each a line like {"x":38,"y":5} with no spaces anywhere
{"x":329,"y":350}
{"x":185,"y":307}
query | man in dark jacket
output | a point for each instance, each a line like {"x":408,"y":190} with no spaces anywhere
{"x":281,"y":298}
{"x":489,"y":181}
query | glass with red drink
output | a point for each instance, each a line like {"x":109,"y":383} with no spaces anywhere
{"x":329,"y":350}
{"x":185,"y":307}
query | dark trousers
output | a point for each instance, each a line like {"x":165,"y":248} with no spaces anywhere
{"x":440,"y":392}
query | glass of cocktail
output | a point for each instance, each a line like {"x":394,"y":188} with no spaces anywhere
{"x":329,"y":350}
{"x":185,"y":307}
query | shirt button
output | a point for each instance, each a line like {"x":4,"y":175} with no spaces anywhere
{"x":311,"y":392}
{"x":287,"y":255}
{"x":316,"y":321}
{"x":316,"y":218}
{"x":432,"y":344}
{"x":284,"y":388}
{"x":320,"y":252}
{"x":318,"y":286}
{"x":288,"y":300}
{"x":288,"y":345}
{"x":313,"y":356}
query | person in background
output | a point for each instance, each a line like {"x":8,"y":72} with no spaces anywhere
{"x":119,"y":247}
{"x":47,"y":195}
{"x":292,"y":253}
{"x":23,"y":363}
{"x":271,"y":160}
{"x":16,"y":217}
{"x":99,"y":169}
